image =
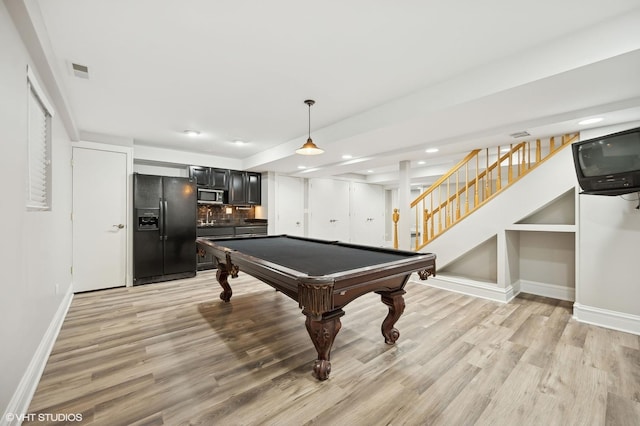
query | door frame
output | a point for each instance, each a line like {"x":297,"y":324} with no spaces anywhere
{"x":128,"y":152}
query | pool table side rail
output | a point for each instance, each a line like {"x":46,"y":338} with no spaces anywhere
{"x":407,"y":253}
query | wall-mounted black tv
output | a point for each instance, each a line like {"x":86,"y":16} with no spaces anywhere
{"x":609,"y":165}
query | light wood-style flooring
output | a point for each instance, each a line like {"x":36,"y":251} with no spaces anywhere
{"x":173,"y":353}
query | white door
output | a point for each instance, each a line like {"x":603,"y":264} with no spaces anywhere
{"x":99,"y":219}
{"x":367,"y":214}
{"x":290,"y":205}
{"x":329,"y":209}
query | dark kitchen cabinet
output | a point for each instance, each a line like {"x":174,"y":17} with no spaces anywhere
{"x":219,"y":179}
{"x":253,"y":188}
{"x":244,"y":188}
{"x":206,"y":261}
{"x":236,"y":187}
{"x":251,"y":230}
{"x":209,"y":177}
{"x":200,"y":174}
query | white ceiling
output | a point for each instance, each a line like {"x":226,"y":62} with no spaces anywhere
{"x":389,"y":78}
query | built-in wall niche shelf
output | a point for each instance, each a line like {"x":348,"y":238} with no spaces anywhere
{"x":560,"y":211}
{"x":542,"y":262}
{"x":536,"y":255}
{"x":479,"y":263}
{"x":541,"y":250}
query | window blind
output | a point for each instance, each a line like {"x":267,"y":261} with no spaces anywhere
{"x":39,"y":147}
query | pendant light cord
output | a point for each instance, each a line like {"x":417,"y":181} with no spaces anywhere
{"x":309,"y":120}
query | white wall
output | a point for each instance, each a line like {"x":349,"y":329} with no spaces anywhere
{"x":161,"y":170}
{"x":548,"y":257}
{"x":143,"y":153}
{"x":480,"y":263}
{"x":609,"y":237}
{"x":35,"y":254}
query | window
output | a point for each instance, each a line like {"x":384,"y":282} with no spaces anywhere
{"x":39,"y":146}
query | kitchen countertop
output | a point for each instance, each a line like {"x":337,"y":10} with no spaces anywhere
{"x":223,"y":223}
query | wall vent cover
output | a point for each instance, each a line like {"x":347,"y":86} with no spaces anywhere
{"x":81,"y":71}
{"x":522,"y":134}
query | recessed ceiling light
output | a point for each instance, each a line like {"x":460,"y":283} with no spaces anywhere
{"x":421,"y":162}
{"x":369,"y":171}
{"x":431,"y":150}
{"x":191,"y":133}
{"x":302,"y":167}
{"x":239,"y":142}
{"x":590,"y":121}
{"x":347,"y":157}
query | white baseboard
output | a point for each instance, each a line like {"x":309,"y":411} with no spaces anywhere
{"x":601,"y":317}
{"x":471,"y":288}
{"x":608,"y":319}
{"x":21,"y":399}
{"x":548,"y":290}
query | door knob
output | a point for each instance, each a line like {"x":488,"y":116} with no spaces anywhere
{"x":119,"y":226}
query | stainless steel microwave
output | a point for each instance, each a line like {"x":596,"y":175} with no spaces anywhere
{"x":210,"y":196}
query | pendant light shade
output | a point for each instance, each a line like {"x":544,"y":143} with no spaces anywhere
{"x":309,"y":148}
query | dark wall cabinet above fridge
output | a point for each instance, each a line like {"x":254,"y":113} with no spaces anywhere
{"x":210,"y":177}
{"x":244,"y":188}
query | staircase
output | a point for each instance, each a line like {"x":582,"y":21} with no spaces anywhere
{"x":476,"y":214}
{"x":474,"y":181}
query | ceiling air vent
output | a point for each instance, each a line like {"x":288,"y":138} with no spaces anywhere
{"x":81,"y":71}
{"x":522,"y":134}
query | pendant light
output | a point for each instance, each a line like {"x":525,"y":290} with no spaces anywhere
{"x":309,"y":148}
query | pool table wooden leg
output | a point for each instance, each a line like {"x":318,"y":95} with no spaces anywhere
{"x":221,"y":275}
{"x":395,"y":302}
{"x":323,"y":332}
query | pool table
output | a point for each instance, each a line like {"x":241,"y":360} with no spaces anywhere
{"x":323,"y":277}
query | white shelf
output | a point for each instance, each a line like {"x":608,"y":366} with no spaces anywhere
{"x":541,"y":227}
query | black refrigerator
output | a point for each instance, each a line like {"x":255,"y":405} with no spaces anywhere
{"x":164,"y":237}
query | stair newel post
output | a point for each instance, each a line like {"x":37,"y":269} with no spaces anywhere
{"x":396,"y":218}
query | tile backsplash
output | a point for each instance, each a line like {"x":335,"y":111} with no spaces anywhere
{"x":223,"y":213}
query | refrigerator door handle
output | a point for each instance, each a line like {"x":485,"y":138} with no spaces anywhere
{"x":166,"y":214}
{"x":161,"y":219}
